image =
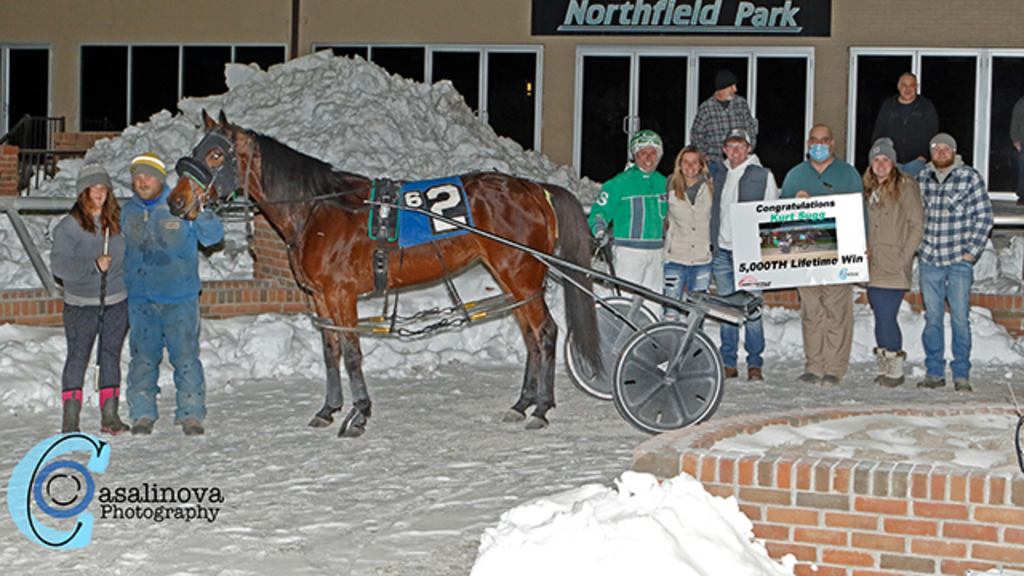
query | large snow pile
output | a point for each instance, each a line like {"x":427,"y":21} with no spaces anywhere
{"x":349,"y":113}
{"x":639,"y":528}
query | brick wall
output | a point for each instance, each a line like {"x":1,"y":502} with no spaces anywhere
{"x":270,"y":255}
{"x":79,"y":140}
{"x":8,"y":170}
{"x":852,"y":517}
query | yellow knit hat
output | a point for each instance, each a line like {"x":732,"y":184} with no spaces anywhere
{"x":151,"y":164}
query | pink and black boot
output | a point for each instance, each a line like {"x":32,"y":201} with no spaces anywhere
{"x":110,"y":422}
{"x":72,"y":409}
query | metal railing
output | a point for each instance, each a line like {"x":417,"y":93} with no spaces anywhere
{"x":34,"y":132}
{"x":37,"y":156}
{"x":34,"y":166}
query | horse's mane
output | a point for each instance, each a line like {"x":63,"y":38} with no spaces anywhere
{"x":290,"y":175}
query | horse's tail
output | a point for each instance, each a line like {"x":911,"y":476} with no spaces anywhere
{"x":574,"y":245}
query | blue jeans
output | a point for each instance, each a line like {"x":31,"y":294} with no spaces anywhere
{"x":953,"y":284}
{"x":176,"y":327}
{"x":885,"y":303}
{"x":680,"y":277}
{"x":721,"y":266}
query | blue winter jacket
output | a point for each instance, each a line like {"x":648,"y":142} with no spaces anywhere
{"x":161,"y":260}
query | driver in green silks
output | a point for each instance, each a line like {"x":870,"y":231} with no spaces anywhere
{"x":634,"y":204}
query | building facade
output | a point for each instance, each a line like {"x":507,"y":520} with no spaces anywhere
{"x":571,"y":78}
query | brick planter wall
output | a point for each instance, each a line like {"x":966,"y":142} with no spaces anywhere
{"x":855,"y":517}
{"x":8,"y":170}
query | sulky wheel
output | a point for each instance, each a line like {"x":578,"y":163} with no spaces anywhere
{"x":614,"y":335}
{"x":659,"y":387}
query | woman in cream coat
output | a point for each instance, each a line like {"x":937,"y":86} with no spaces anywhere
{"x":687,"y":252}
{"x":895,"y":228}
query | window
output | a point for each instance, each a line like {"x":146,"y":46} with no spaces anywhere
{"x":122,"y":85}
{"x":621,"y":90}
{"x":500,"y":83}
{"x":974,"y":92}
{"x":24,"y":86}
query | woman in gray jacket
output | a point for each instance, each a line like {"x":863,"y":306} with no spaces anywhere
{"x":895,"y":228}
{"x":88,"y":257}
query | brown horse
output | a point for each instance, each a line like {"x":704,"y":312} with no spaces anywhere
{"x":323,"y":218}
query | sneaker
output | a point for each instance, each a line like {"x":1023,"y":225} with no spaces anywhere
{"x":754,"y":374}
{"x":142,"y":426}
{"x":828,"y":381}
{"x":731,"y":372}
{"x":809,"y":378}
{"x":192,"y":427}
{"x":962,"y":385}
{"x":932,"y":382}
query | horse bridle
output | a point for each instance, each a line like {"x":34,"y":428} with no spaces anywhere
{"x":199,"y":174}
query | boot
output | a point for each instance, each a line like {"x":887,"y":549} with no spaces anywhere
{"x":894,"y":376}
{"x":884,"y":364}
{"x":110,"y":422}
{"x":72,"y":409}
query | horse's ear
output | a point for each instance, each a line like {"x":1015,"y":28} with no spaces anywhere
{"x":224,"y":120}
{"x":208,"y":122}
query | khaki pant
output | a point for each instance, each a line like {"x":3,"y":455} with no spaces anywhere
{"x":827,"y":319}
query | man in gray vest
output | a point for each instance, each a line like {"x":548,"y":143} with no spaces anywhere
{"x":743,"y":180}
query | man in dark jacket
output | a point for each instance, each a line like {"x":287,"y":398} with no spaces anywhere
{"x":909,"y":119}
{"x":161,"y":271}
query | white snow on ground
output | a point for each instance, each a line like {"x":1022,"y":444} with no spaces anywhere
{"x":640,"y":527}
{"x":436,"y":468}
{"x":974,"y":441}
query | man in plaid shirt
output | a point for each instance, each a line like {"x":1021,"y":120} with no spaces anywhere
{"x":957,"y":222}
{"x":719,"y":115}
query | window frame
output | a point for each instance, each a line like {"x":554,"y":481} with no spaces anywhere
{"x":5,"y":84}
{"x":693,"y":55}
{"x":982,"y":96}
{"x":181,"y":64}
{"x":483,"y":50}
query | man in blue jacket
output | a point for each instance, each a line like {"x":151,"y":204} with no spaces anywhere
{"x":161,"y":271}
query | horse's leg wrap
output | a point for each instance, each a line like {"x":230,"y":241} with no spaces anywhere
{"x":546,"y":374}
{"x":335,"y":398}
{"x":528,"y":394}
{"x":355,"y":422}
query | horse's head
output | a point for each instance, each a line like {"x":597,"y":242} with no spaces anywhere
{"x":210,"y":174}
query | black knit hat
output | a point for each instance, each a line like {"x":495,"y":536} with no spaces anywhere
{"x":724,"y":79}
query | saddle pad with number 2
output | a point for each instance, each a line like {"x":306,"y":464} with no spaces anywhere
{"x":442,"y":196}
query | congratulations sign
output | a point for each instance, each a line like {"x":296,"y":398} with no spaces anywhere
{"x":690,"y":17}
{"x":799,"y":242}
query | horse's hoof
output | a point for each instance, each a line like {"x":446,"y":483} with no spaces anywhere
{"x":513,"y":416}
{"x":319,"y":421}
{"x":536,"y":423}
{"x":353,"y":426}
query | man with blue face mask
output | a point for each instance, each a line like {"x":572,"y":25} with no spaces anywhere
{"x":826,"y":311}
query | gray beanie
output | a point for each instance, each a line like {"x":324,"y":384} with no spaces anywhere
{"x":882,"y":147}
{"x":92,"y":174}
{"x":943,"y":138}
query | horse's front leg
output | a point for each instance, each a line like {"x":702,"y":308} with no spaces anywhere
{"x":355,"y":422}
{"x":335,"y":399}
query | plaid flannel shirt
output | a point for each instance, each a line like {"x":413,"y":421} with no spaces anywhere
{"x":957,"y":215}
{"x":713,"y":123}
